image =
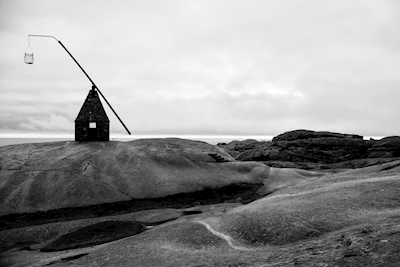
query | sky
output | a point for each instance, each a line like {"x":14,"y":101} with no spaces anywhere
{"x":203,"y":67}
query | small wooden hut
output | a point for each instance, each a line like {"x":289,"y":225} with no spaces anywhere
{"x":92,"y":123}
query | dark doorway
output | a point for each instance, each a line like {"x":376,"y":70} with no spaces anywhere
{"x":92,"y":131}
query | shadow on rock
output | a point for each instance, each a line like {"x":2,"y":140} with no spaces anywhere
{"x":95,"y":234}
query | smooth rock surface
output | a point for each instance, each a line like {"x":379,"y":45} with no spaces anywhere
{"x":45,"y":176}
{"x":350,"y":218}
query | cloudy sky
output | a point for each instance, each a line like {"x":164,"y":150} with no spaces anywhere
{"x":204,"y":67}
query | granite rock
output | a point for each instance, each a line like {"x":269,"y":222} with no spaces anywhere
{"x":304,"y":146}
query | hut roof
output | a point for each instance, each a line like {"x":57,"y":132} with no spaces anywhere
{"x":92,"y":109}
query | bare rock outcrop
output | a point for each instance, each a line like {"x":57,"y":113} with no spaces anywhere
{"x":306,"y":134}
{"x":303,"y":146}
{"x":45,"y":176}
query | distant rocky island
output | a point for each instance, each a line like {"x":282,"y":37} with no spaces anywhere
{"x":305,"y":198}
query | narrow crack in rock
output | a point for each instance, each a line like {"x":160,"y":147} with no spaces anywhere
{"x":108,"y":185}
{"x":87,"y":165}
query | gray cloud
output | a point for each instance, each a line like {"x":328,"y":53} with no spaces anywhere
{"x":215,"y":67}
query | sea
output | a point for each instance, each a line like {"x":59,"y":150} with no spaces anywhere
{"x":5,"y":141}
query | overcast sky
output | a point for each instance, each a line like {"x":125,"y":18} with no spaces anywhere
{"x":204,"y":67}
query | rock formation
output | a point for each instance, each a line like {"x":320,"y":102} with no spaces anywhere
{"x":349,"y":218}
{"x":45,"y":176}
{"x":303,"y":146}
{"x":334,"y":217}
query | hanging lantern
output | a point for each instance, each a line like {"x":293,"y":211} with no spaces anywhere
{"x":28,"y":58}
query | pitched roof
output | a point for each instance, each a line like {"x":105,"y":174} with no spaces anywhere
{"x":92,"y":109}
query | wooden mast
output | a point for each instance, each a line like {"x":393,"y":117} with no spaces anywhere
{"x":94,"y":86}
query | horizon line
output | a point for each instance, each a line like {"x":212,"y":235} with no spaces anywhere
{"x":136,"y":136}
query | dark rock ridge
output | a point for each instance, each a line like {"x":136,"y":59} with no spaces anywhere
{"x":304,"y":146}
{"x":306,"y":134}
{"x":227,"y":194}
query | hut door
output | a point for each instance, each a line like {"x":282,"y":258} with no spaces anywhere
{"x":92,"y":131}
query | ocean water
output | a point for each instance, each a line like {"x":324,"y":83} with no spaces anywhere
{"x":208,"y":139}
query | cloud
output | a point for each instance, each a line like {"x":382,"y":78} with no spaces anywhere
{"x":254,"y":67}
{"x":52,"y":123}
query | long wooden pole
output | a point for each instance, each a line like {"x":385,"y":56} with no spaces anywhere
{"x":93,"y":84}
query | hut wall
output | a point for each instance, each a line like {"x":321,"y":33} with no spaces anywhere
{"x":82,"y":131}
